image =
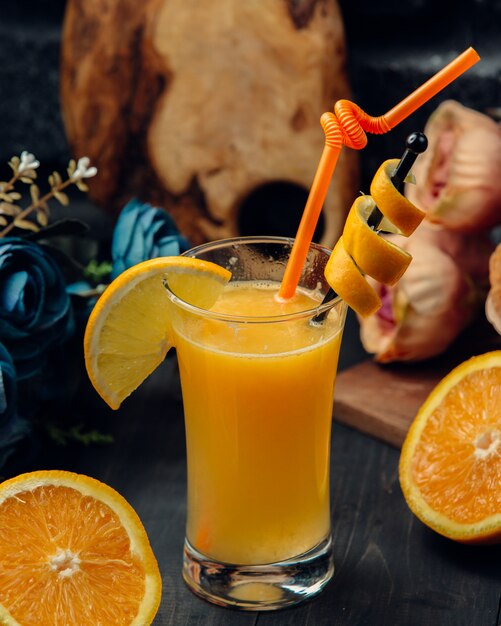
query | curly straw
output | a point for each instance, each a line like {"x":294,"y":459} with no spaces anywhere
{"x":348,"y":126}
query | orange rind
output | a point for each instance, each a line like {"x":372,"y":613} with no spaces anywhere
{"x":399,"y":211}
{"x":381,"y":259}
{"x":348,"y":282}
{"x":365,"y":251}
{"x":450,"y":470}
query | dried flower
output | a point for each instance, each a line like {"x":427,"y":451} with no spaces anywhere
{"x":27,"y":162}
{"x":459,"y":176}
{"x":83,"y":170}
{"x":434,"y":300}
{"x":23,"y":168}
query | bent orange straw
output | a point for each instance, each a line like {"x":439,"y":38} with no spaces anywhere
{"x":347,"y":127}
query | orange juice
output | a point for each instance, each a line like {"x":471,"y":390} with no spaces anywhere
{"x":258,"y":382}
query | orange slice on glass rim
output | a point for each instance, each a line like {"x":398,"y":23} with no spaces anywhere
{"x":129,"y":330}
{"x":73,"y":551}
{"x":450,"y":465}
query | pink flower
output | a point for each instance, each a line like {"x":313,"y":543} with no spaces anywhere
{"x":434,"y":300}
{"x":459,"y":176}
{"x":493,"y":302}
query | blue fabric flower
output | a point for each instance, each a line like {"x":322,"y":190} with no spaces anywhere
{"x":143,"y":232}
{"x":12,"y":427}
{"x":35,"y":310}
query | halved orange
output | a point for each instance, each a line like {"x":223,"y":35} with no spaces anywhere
{"x":392,"y":204}
{"x":450,"y":465}
{"x":73,"y":552}
{"x":128,"y":332}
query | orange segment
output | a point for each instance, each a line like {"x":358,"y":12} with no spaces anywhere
{"x":73,"y":551}
{"x":128,"y":332}
{"x":450,"y":466}
{"x":378,"y":257}
{"x":347,"y":280}
{"x":393,"y":205}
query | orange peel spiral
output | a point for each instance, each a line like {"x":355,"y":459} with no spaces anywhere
{"x":362,"y":250}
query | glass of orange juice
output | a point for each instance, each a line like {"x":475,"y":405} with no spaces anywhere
{"x":257,"y":378}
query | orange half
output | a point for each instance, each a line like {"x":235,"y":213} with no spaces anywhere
{"x":73,"y":552}
{"x":450,"y":466}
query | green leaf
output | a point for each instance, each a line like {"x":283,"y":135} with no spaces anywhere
{"x":63,"y":436}
{"x":3,"y":221}
{"x":82,"y":186}
{"x":70,"y":227}
{"x":72,"y":166}
{"x":97,"y":271}
{"x":6,"y":197}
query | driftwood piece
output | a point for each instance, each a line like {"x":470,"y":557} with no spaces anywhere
{"x":195,"y":105}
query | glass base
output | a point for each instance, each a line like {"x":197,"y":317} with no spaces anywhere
{"x":259,"y":587}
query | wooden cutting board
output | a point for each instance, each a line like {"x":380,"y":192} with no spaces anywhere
{"x":382,"y":400}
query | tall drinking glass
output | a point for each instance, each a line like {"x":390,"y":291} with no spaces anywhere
{"x":257,"y":378}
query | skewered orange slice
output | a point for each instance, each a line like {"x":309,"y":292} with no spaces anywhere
{"x":393,"y":205}
{"x":363,"y":250}
{"x":378,"y":257}
{"x":348,"y":282}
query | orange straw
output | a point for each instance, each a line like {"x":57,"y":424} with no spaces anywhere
{"x":347,"y":127}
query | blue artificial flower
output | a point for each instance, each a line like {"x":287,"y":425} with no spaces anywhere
{"x":12,"y":427}
{"x":35,"y":310}
{"x":83,"y":298}
{"x":143,"y":232}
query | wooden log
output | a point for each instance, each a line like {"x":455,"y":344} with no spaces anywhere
{"x":194,"y":105}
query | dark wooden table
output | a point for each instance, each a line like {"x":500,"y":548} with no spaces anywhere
{"x":390,"y":569}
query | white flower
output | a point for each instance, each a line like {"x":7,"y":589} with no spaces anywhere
{"x":83,"y":170}
{"x":27,"y":162}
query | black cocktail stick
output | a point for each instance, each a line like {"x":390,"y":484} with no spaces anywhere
{"x":415,"y":145}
